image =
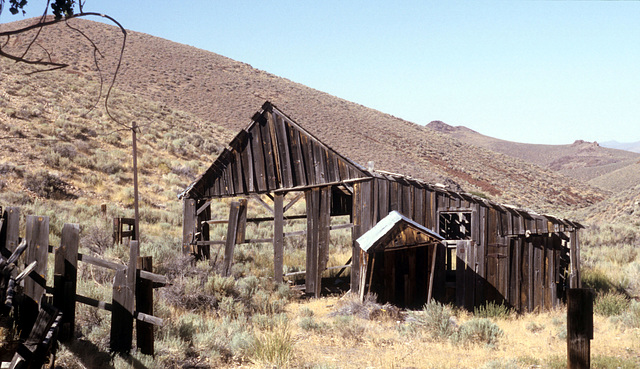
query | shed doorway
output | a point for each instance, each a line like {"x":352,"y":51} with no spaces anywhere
{"x":399,"y":261}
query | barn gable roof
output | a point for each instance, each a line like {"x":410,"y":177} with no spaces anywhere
{"x":272,"y":153}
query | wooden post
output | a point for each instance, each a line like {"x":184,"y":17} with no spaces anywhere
{"x":123,"y":303}
{"x":37,"y":250}
{"x":65,"y":278}
{"x":144,"y":304}
{"x":278,"y":237}
{"x":432,"y":272}
{"x":231,"y":237}
{"x":579,"y":327}
{"x":242,"y":222}
{"x":9,"y":238}
{"x":574,"y":280}
{"x":313,"y":205}
{"x":189,"y":219}
{"x":121,"y":314}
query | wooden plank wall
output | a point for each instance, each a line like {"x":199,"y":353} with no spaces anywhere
{"x":273,"y":153}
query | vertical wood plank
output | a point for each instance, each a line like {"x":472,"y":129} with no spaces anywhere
{"x":65,"y":279}
{"x":538,"y":283}
{"x":300,"y":175}
{"x":461,"y":266}
{"x":10,"y":229}
{"x":144,"y":304}
{"x":481,"y":256}
{"x":278,"y":237}
{"x":232,"y":227}
{"x":470,"y":276}
{"x":258,"y":158}
{"x":309,"y":162}
{"x":283,"y":151}
{"x":247,"y":164}
{"x":239,"y":174}
{"x":383,"y":197}
{"x":37,"y":250}
{"x":242,"y":221}
{"x":356,"y":232}
{"x":189,"y":219}
{"x":313,"y":205}
{"x":418,"y":205}
{"x":270,"y":155}
{"x":320,"y":164}
{"x":324,"y":227}
{"x":121,"y":336}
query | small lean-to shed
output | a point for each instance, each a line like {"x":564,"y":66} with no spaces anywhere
{"x":490,"y":252}
{"x":398,"y":261}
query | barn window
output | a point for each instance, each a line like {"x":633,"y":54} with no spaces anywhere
{"x":455,"y":225}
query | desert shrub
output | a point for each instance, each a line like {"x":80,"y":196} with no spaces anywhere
{"x":436,"y":319}
{"x":310,"y":324}
{"x":631,"y":317}
{"x":493,"y":310}
{"x":273,"y":348}
{"x":46,"y":185}
{"x":611,"y":304}
{"x":349,"y":328}
{"x":305,"y":312}
{"x":10,"y":169}
{"x":65,"y":150}
{"x":534,"y":327}
{"x":350,"y":304}
{"x":268,"y":322}
{"x":479,"y":331}
{"x":97,"y":239}
{"x":597,"y":280}
{"x":52,"y":159}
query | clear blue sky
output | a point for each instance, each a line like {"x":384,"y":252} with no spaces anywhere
{"x":528,"y":71}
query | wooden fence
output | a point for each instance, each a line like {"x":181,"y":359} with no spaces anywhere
{"x":44,"y":313}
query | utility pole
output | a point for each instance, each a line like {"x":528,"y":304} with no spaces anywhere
{"x":134,"y":128}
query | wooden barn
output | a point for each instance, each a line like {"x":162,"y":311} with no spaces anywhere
{"x":450,"y":246}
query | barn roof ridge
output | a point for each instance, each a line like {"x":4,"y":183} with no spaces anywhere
{"x":227,"y":155}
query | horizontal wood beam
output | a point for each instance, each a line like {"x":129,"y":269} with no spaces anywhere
{"x":109,"y":307}
{"x":157,"y":279}
{"x":328,"y":184}
{"x":305,"y":272}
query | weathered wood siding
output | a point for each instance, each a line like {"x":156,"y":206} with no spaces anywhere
{"x":273,"y":153}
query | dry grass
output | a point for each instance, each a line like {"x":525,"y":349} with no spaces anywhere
{"x":383,"y":344}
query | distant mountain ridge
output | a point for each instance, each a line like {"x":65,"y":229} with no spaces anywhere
{"x":628,"y":146}
{"x":606,"y":168}
{"x":227,"y":93}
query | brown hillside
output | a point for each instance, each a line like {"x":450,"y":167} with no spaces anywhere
{"x":226,"y":93}
{"x":609,"y":169}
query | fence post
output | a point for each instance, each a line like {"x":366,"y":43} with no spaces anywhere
{"x":231,"y":237}
{"x":65,"y":279}
{"x":144,"y":304}
{"x":34,"y":285}
{"x":123,"y":303}
{"x":579,"y":327}
{"x":9,"y":238}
